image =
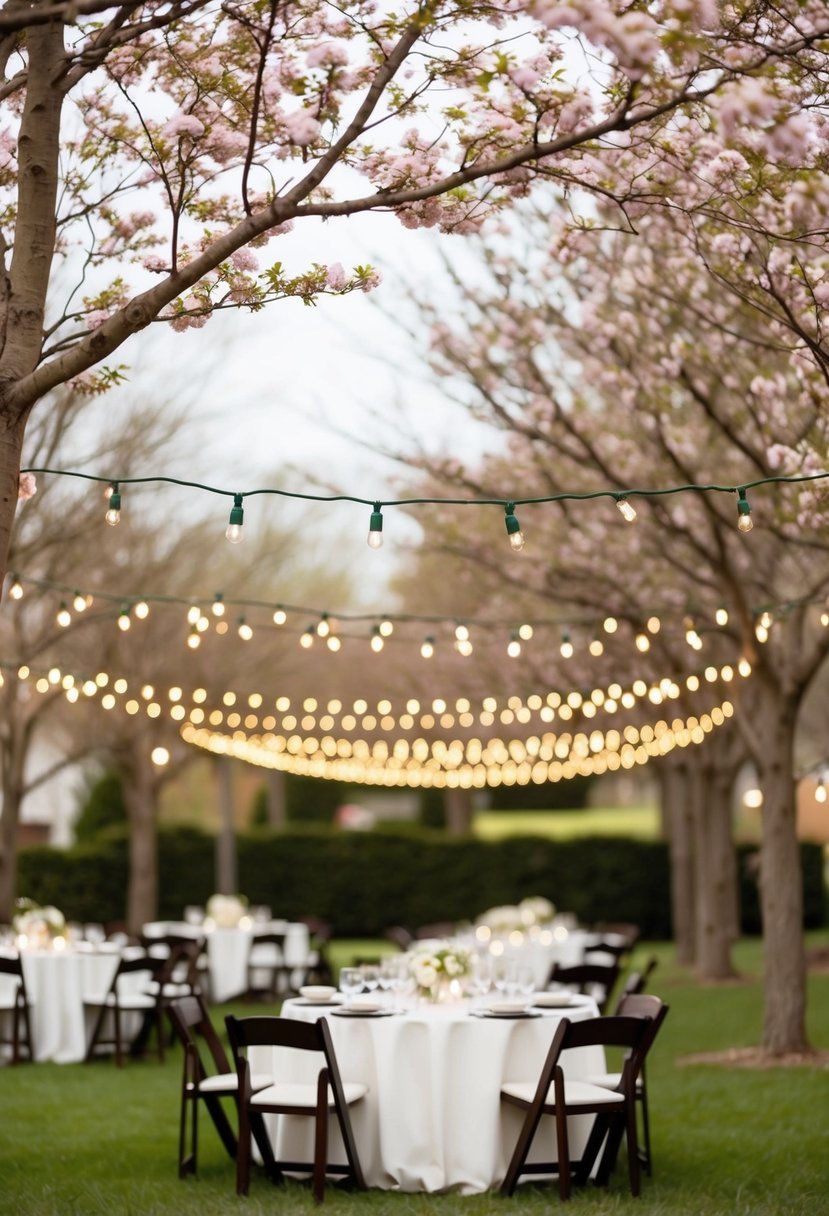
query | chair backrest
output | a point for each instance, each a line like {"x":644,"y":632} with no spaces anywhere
{"x":182,"y":962}
{"x":617,"y":949}
{"x":267,"y":939}
{"x":133,"y":963}
{"x":586,"y":978}
{"x":10,"y":964}
{"x":244,"y":1033}
{"x":644,"y":1005}
{"x":192,"y":1024}
{"x":625,"y":929}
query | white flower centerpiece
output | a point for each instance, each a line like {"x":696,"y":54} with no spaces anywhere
{"x":514,"y":920}
{"x":438,"y":969}
{"x":38,"y":927}
{"x":226,"y":911}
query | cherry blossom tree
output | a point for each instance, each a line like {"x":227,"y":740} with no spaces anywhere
{"x":639,"y":367}
{"x":157,"y":148}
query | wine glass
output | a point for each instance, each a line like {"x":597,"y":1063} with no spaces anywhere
{"x":506,"y":979}
{"x":525,"y":981}
{"x":371,"y":976}
{"x":351,"y":983}
{"x":479,"y":981}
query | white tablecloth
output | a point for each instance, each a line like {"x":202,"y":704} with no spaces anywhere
{"x":228,"y":949}
{"x":433,"y":1119}
{"x":56,"y":982}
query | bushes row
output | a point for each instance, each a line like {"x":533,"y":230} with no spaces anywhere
{"x":364,"y":882}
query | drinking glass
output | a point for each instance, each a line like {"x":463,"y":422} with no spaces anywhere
{"x":525,"y":981}
{"x":371,"y":976}
{"x":351,"y":983}
{"x":506,"y":979}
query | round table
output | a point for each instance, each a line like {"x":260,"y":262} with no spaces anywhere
{"x":432,"y":1119}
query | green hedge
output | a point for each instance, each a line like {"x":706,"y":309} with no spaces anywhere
{"x":364,"y":882}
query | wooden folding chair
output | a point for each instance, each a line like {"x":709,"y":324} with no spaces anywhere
{"x":555,"y":1095}
{"x":120,"y":999}
{"x":266,"y":968}
{"x":207,"y":1076}
{"x":327,"y":1094}
{"x":639,"y":1005}
{"x":14,"y":1006}
{"x":592,"y":979}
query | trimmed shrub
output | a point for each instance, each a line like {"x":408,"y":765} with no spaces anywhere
{"x":364,"y":881}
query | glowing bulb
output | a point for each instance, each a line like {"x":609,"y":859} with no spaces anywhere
{"x":375,"y":528}
{"x":566,"y":647}
{"x":820,"y":791}
{"x":218,"y":608}
{"x":64,"y":617}
{"x":233,"y":531}
{"x":427,"y":648}
{"x":721,"y":616}
{"x":333,"y":643}
{"x":766,"y":620}
{"x":610,"y":624}
{"x":193,"y":638}
{"x":124,"y":620}
{"x":245,"y":632}
{"x":113,"y":514}
{"x":464,"y":647}
{"x":626,"y":509}
{"x":462,"y":633}
{"x":386,"y":628}
{"x":16,"y":590}
{"x":514,"y":647}
{"x":280,"y":616}
{"x":596,"y":647}
{"x":744,"y":521}
{"x":377,"y":642}
{"x":306,"y":639}
{"x":160,"y":756}
{"x":79,"y":602}
{"x":643,"y":642}
{"x":323,"y":629}
{"x":516,"y":536}
{"x":525,"y":632}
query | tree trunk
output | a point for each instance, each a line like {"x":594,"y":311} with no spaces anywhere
{"x":140,"y":801}
{"x":676,"y":815}
{"x":227,"y":882}
{"x":13,"y":760}
{"x":276,"y":799}
{"x":458,"y":804}
{"x":11,"y":441}
{"x":715,"y":870}
{"x":781,"y":880}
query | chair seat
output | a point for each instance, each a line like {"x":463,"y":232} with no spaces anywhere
{"x":228,"y":1083}
{"x":128,"y":1003}
{"x":305,"y":1096}
{"x":576,"y":1093}
{"x":611,"y":1080}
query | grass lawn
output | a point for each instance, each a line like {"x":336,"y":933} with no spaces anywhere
{"x":641,"y":822}
{"x":89,"y":1140}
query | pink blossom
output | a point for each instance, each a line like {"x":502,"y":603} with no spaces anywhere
{"x":327,"y":55}
{"x":371,"y":281}
{"x":336,"y":277}
{"x":96,"y":318}
{"x":183,"y":124}
{"x":244,"y":259}
{"x":26,"y":486}
{"x":154,"y":261}
{"x":302,"y":128}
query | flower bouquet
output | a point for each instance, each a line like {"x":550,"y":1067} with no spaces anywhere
{"x":225,"y":911}
{"x":38,"y":925}
{"x":435,"y":967}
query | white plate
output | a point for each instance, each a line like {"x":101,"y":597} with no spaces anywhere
{"x":317,"y":992}
{"x":507,"y":1008}
{"x":362,"y":1006}
{"x":552,"y":1000}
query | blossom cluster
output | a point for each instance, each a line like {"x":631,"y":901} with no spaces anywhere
{"x":433,"y":964}
{"x":225,"y":911}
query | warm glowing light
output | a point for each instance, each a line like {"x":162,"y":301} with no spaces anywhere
{"x":160,"y":756}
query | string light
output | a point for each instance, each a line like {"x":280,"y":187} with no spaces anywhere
{"x":218,"y":607}
{"x":193,"y":638}
{"x":377,"y":642}
{"x":124,"y":620}
{"x":113,"y":512}
{"x":427,"y":647}
{"x":744,"y":521}
{"x":514,"y":646}
{"x":375,"y":528}
{"x":721,"y":616}
{"x":64,"y":617}
{"x":233,"y":531}
{"x":141,"y":610}
{"x":245,"y":632}
{"x":566,"y":647}
{"x":323,"y":628}
{"x":79,"y":602}
{"x":306,"y":639}
{"x":820,"y":790}
{"x":626,"y":508}
{"x":516,"y":536}
{"x":643,"y":642}
{"x":16,"y":588}
{"x":386,"y":628}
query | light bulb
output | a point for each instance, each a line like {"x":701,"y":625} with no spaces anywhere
{"x":375,"y":528}
{"x":820,"y":791}
{"x":596,"y":647}
{"x":16,"y":589}
{"x":514,"y":647}
{"x":124,"y":620}
{"x":113,"y":514}
{"x":525,"y":632}
{"x":193,"y":638}
{"x":464,"y":647}
{"x":462,"y":633}
{"x":280,"y":616}
{"x":79,"y":602}
{"x":245,"y":632}
{"x":516,"y":536}
{"x":626,"y":509}
{"x":333,"y":643}
{"x":377,"y":642}
{"x":306,"y":639}
{"x":141,"y":610}
{"x":566,"y":647}
{"x":386,"y":628}
{"x":64,"y":617}
{"x":643,"y":642}
{"x":721,"y":616}
{"x":233,"y":531}
{"x":744,"y":521}
{"x":218,"y":607}
{"x":323,"y":629}
{"x":610,"y":624}
{"x":427,"y":648}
